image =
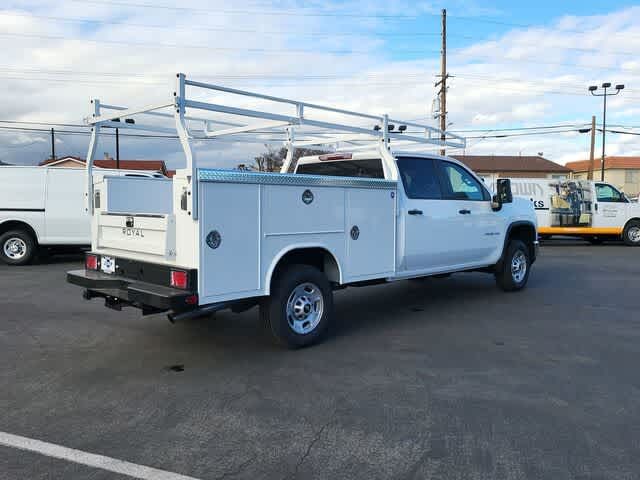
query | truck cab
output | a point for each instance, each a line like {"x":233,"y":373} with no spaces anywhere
{"x":447,"y":220}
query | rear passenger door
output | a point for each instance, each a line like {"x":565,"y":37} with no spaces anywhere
{"x":424,"y":226}
{"x":474,"y":229}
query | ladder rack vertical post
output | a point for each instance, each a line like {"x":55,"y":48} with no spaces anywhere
{"x":183,"y":135}
{"x":91,"y":153}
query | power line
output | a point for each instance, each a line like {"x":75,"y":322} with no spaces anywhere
{"x":191,"y":28}
{"x":278,"y":51}
{"x":175,"y":137}
{"x":277,"y":12}
{"x":292,"y":13}
{"x":126,"y":76}
{"x":490,"y":58}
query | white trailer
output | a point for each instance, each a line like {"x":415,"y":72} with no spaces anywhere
{"x":595,"y":211}
{"x":43,"y":207}
{"x":285,"y":241}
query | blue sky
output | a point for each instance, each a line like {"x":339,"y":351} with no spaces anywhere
{"x":515,"y":65}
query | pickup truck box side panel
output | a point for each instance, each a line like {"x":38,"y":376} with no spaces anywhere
{"x":370,"y":239}
{"x":285,"y":217}
{"x":229,"y":252}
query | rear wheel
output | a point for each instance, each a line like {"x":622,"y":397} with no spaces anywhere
{"x":513,"y":272}
{"x":631,"y":233}
{"x":300,"y":308}
{"x":17,"y":247}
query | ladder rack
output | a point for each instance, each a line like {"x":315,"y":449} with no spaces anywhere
{"x":295,"y":123}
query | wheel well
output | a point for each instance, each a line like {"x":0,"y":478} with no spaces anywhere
{"x":526,"y":233}
{"x":635,"y":219}
{"x":317,"y":257}
{"x":18,"y":225}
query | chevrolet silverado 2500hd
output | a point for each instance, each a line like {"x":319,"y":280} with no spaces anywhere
{"x":368,"y":213}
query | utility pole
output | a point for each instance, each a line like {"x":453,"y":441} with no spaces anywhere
{"x":117,"y":148}
{"x":443,"y":81}
{"x":53,"y":144}
{"x":593,"y":146}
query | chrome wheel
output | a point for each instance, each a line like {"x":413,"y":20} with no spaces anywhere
{"x":15,"y":248}
{"x":518,"y":266}
{"x":633,"y":234}
{"x":305,"y":307}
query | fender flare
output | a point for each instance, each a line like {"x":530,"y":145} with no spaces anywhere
{"x":290,"y":248}
{"x":512,"y":225}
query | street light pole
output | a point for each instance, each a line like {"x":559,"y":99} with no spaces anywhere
{"x":592,"y":90}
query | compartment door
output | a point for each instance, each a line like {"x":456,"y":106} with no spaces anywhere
{"x":229,"y":240}
{"x":370,"y":233}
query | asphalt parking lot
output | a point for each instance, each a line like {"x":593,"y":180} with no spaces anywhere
{"x":446,"y":379}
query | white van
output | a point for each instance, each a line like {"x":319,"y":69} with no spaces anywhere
{"x":44,"y":207}
{"x":595,"y":211}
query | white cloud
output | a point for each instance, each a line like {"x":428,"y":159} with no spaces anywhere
{"x":48,"y":79}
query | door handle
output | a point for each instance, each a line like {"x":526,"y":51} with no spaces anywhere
{"x":596,"y":205}
{"x":415,"y":212}
{"x":464,"y":212}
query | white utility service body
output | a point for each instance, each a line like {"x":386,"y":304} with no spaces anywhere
{"x":590,"y":209}
{"x":44,"y":207}
{"x":286,"y":240}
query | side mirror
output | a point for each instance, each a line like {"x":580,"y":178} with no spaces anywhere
{"x":503,"y":195}
{"x":503,"y":189}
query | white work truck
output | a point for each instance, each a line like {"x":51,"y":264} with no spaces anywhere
{"x":43,"y":207}
{"x":595,"y":211}
{"x":284,"y":241}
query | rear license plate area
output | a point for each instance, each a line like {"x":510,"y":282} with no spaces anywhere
{"x":108,"y":265}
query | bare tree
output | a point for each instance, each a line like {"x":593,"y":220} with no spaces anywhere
{"x":272,"y":159}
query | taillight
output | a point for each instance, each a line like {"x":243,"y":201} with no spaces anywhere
{"x":179,"y":279}
{"x":91,"y":262}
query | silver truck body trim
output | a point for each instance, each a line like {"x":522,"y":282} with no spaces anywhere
{"x":230,"y":176}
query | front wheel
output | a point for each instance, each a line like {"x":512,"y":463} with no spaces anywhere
{"x":300,"y":308}
{"x":631,"y":233}
{"x":512,"y":272}
{"x":17,"y":247}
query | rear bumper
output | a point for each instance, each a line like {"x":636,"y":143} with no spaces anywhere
{"x":121,"y":290}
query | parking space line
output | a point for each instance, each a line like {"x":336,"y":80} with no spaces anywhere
{"x":90,"y":459}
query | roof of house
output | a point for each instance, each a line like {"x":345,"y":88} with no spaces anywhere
{"x":510,"y":163}
{"x":154,"y":165}
{"x":609,"y":162}
{"x":57,"y":160}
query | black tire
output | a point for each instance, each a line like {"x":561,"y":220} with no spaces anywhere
{"x":631,"y":233}
{"x":508,"y":280}
{"x":596,"y":240}
{"x":293,"y":291}
{"x":17,"y":247}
